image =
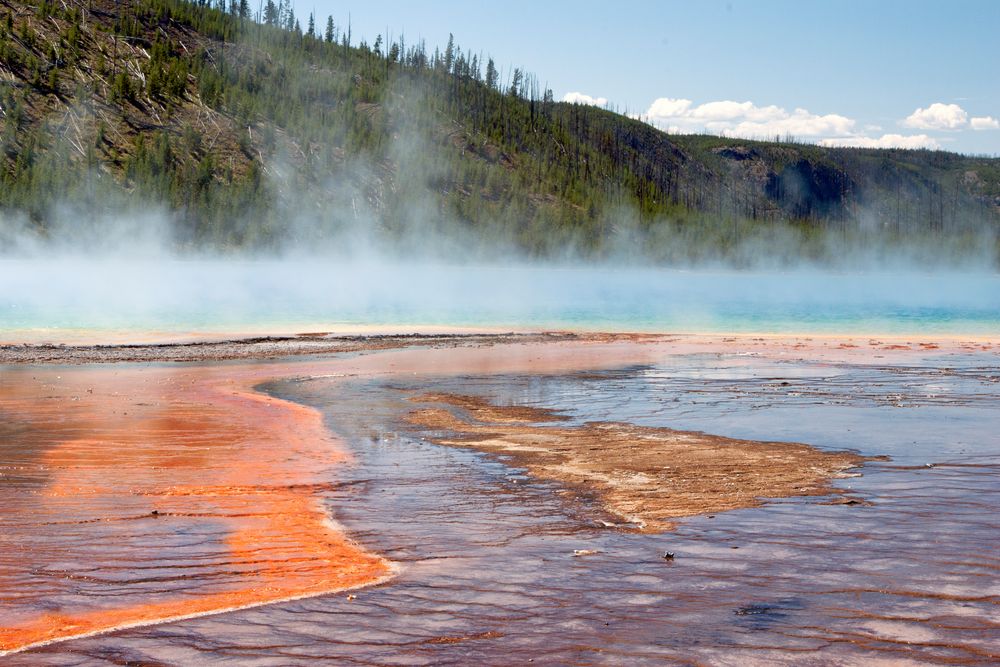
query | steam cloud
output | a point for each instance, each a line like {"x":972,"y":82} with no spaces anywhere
{"x":111,"y":263}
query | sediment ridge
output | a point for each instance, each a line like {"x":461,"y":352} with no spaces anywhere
{"x":648,"y":476}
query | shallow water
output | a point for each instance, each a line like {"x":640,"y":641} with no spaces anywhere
{"x":488,"y":572}
{"x":160,"y":494}
{"x":67,"y":298}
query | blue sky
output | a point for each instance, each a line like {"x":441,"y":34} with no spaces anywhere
{"x":890,"y":72}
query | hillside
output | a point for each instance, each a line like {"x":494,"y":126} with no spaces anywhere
{"x":250,"y":135}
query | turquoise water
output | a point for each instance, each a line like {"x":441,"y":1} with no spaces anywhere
{"x":55,"y":297}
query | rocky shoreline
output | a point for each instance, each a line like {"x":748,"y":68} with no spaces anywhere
{"x":255,"y":348}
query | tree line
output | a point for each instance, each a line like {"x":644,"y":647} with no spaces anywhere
{"x":232,"y":116}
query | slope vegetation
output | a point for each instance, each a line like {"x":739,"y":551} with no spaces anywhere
{"x":255,"y":134}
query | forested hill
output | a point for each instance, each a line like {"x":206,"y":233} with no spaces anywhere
{"x":254,"y":132}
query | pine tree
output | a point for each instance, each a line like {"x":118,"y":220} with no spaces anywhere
{"x":449,"y":53}
{"x":311,"y":30}
{"x":515,"y":84}
{"x":329,"y":30}
{"x":270,"y":13}
{"x":492,"y":76}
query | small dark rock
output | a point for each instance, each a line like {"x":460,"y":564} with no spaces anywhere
{"x":752,"y":610}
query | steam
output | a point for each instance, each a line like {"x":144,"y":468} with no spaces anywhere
{"x":62,"y":299}
{"x":119,"y":269}
{"x":372,"y":246}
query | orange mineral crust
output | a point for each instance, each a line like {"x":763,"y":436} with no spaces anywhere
{"x":136,"y":495}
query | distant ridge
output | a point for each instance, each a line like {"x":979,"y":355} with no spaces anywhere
{"x":253,"y":136}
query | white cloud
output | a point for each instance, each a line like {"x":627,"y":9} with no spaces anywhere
{"x":735,"y":111}
{"x":750,"y":121}
{"x":581,"y":98}
{"x":744,"y":119}
{"x":885,"y":141}
{"x":665,"y":108}
{"x":984,"y":123}
{"x":800,"y":123}
{"x":937,"y":116}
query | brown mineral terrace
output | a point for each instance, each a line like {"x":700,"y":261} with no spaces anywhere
{"x":647,"y":476}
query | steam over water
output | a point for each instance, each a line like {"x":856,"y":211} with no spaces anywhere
{"x":58,"y":299}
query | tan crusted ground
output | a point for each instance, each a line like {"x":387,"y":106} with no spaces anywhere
{"x":649,"y":476}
